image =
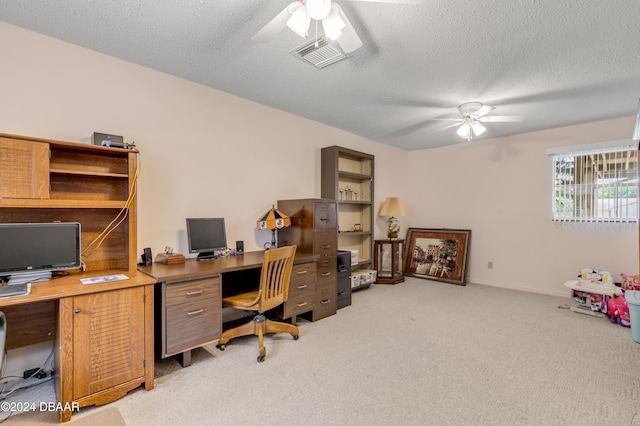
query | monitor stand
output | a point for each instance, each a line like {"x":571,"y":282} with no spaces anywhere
{"x":27,"y":277}
{"x":207,"y":255}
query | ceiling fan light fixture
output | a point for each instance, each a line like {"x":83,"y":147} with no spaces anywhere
{"x":299,"y":21}
{"x":478,"y":128}
{"x":333,"y":24}
{"x":464,"y":131}
{"x":318,"y":9}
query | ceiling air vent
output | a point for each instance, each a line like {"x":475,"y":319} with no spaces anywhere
{"x":318,"y":52}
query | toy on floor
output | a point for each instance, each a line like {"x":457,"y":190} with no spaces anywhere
{"x":618,"y":311}
{"x":592,"y":289}
{"x":630,"y":282}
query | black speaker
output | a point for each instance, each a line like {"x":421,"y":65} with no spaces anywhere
{"x":239,"y":247}
{"x":147,"y":259}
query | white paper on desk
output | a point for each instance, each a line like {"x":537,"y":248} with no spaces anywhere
{"x":103,"y":279}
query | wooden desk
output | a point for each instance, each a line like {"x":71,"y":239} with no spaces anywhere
{"x":189,"y":311}
{"x":91,"y":324}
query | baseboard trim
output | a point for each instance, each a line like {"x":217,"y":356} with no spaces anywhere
{"x":565,"y":293}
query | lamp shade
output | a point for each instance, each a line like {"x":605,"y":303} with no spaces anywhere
{"x":273,"y":219}
{"x":391,"y":207}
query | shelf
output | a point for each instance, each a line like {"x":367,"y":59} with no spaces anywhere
{"x":88,"y":173}
{"x":360,"y":202}
{"x":61,"y":204}
{"x":347,"y":177}
{"x":354,"y":176}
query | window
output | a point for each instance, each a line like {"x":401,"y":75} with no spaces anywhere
{"x":596,"y":183}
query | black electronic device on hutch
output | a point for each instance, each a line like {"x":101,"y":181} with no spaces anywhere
{"x":206,"y":236}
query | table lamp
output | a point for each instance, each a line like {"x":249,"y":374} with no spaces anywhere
{"x":273,"y":220}
{"x":392,"y":208}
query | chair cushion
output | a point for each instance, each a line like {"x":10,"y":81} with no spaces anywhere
{"x":247,"y":300}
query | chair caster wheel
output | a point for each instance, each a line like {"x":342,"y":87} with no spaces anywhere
{"x":221,"y":347}
{"x":260,"y":358}
{"x":296,"y":337}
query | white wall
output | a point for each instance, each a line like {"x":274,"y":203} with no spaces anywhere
{"x":204,"y":153}
{"x":501,"y":190}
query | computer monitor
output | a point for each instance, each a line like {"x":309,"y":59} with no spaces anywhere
{"x":32,"y":251}
{"x":206,"y":236}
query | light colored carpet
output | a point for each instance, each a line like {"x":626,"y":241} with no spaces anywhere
{"x":418,"y":353}
{"x":94,"y":416}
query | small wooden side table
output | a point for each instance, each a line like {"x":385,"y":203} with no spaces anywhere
{"x":387,"y":261}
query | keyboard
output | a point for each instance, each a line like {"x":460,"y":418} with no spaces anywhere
{"x":15,"y":290}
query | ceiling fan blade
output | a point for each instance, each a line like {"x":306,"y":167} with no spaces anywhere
{"x":277,"y":24}
{"x":483,"y":110}
{"x":393,"y":1}
{"x":502,"y":118}
{"x":460,"y":120}
{"x":447,"y":127}
{"x":348,"y":40}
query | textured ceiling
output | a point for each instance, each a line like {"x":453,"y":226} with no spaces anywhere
{"x":554,"y":62}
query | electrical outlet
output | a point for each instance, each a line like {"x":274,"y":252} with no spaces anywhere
{"x":490,"y":265}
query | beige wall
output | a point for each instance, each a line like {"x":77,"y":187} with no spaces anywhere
{"x":501,"y":190}
{"x":207,"y":153}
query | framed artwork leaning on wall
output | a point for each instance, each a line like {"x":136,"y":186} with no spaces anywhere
{"x":437,"y":254}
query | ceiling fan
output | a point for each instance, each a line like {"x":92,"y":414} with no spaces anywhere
{"x":473,"y":114}
{"x":335,"y":24}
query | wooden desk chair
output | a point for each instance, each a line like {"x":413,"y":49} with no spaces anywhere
{"x":273,"y":291}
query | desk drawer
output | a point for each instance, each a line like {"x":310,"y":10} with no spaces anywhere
{"x":303,"y":273}
{"x":193,"y":323}
{"x":302,"y":290}
{"x":327,"y":270}
{"x":326,"y":303}
{"x":191,"y":290}
{"x":325,"y":242}
{"x":325,"y":215}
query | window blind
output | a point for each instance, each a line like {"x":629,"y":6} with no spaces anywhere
{"x":596,"y":182}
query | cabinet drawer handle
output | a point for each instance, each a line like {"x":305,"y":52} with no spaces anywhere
{"x":194,"y":293}
{"x":326,"y":246}
{"x":301,"y":304}
{"x":324,"y":302}
{"x":300,"y":287}
{"x":302,"y":272}
{"x":326,"y":274}
{"x":198,"y":312}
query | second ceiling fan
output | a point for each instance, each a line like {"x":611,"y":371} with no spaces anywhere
{"x":335,"y":24}
{"x":473,"y":114}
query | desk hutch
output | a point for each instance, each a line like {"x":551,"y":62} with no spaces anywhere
{"x":103,"y":332}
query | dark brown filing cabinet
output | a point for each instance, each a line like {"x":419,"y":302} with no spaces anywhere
{"x":192,"y":315}
{"x":314,"y":229}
